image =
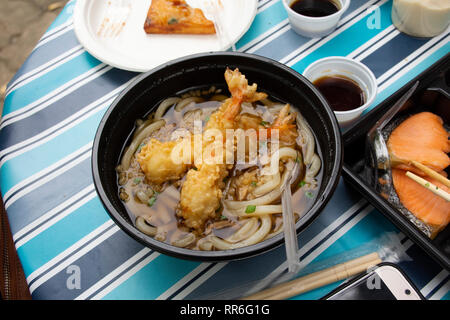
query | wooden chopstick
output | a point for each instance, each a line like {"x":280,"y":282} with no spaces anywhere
{"x":395,"y":161}
{"x":428,"y":185}
{"x":431,"y":173}
{"x":318,"y":279}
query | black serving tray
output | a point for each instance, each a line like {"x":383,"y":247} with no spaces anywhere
{"x":432,"y":94}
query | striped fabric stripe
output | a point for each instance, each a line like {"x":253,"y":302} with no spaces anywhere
{"x":47,"y":51}
{"x":53,"y":107}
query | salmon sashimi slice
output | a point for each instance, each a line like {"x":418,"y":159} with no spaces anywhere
{"x":424,"y":204}
{"x":423,"y":138}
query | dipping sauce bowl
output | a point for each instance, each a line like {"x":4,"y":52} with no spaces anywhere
{"x":315,"y":27}
{"x":353,"y":70}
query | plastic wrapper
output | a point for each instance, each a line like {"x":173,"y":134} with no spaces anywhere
{"x":387,"y":246}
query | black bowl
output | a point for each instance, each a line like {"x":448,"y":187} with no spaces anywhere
{"x":204,"y":70}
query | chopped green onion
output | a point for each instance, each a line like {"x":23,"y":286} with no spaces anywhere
{"x":297,"y":160}
{"x":152,"y":201}
{"x":309,"y":194}
{"x":222,"y":217}
{"x":207,"y":119}
{"x":140,"y":147}
{"x":427,"y":185}
{"x":301,"y":184}
{"x":264,"y":123}
{"x":137,"y":180}
{"x":172,"y":21}
{"x":253,"y":183}
{"x":250,"y":209}
{"x":195,"y":168}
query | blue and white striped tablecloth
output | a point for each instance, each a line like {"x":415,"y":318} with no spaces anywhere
{"x":53,"y":106}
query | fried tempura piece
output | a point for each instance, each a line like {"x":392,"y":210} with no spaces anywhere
{"x":157,"y":164}
{"x":224,"y":118}
{"x":285,"y":124}
{"x":202,"y":190}
{"x":201,"y":194}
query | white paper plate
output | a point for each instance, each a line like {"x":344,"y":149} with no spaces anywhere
{"x":132,"y":49}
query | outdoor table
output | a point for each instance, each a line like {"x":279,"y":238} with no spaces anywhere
{"x":66,"y":242}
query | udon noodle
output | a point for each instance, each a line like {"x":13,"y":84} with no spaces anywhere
{"x":219,"y":205}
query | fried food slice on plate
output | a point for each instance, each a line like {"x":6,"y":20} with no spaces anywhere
{"x":176,"y":17}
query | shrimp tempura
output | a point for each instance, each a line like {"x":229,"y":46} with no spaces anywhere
{"x":202,"y":190}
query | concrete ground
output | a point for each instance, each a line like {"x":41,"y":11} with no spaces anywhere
{"x":22,"y":23}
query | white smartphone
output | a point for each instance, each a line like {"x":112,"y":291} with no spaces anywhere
{"x":384,"y":282}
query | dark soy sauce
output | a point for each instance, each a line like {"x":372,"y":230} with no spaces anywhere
{"x":342,"y":93}
{"x":315,"y":8}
